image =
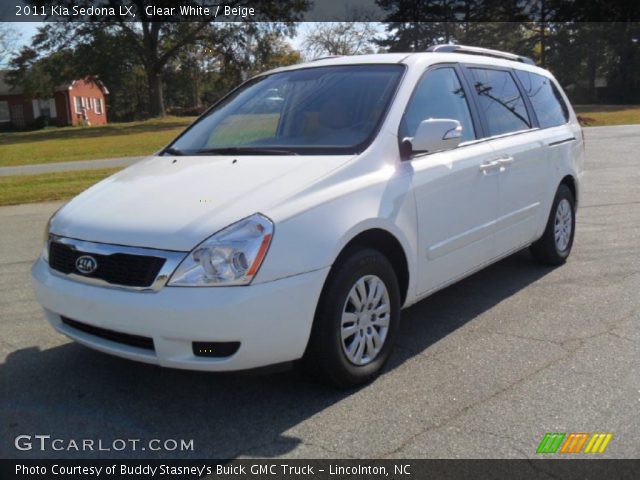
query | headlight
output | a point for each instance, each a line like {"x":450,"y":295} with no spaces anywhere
{"x":230,"y":257}
{"x":45,"y":245}
{"x":45,"y":239}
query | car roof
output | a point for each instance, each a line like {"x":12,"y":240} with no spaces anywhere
{"x":424,"y":58}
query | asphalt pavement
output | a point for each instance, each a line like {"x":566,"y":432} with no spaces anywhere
{"x":68,"y":166}
{"x":482,"y":369}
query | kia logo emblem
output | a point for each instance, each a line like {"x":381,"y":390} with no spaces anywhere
{"x":86,"y":264}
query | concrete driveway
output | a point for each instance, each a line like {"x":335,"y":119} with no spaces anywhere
{"x":482,"y":369}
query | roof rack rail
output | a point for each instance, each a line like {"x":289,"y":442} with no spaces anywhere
{"x":450,"y":48}
{"x":326,"y":57}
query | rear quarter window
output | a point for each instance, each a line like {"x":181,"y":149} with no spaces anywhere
{"x":545,"y":98}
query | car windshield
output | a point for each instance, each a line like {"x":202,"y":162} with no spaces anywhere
{"x":321,"y":110}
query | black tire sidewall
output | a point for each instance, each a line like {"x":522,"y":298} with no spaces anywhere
{"x":326,"y":342}
{"x":563,"y":194}
{"x":544,"y":249}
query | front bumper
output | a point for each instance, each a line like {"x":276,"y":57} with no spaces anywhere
{"x":272,"y":321}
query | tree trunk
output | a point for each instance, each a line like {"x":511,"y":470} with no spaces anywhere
{"x":195,"y":91}
{"x":156,"y":96}
{"x":543,"y":44}
{"x":592,"y":72}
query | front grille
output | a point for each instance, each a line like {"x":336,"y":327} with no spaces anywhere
{"x":125,"y":338}
{"x":118,"y":268}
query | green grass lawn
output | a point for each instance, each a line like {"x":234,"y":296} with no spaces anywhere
{"x":16,"y":189}
{"x":65,"y":144}
{"x":599,"y":115}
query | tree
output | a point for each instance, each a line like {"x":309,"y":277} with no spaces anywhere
{"x":203,"y":74}
{"x":9,"y":38}
{"x":48,"y":63}
{"x":432,"y":22}
{"x":199,"y":74}
{"x":40,"y":75}
{"x":557,"y":34}
{"x":340,"y":38}
{"x":158,"y":43}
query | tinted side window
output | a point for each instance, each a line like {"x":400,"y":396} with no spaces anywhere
{"x":545,"y":98}
{"x":500,"y":101}
{"x":439,"y":94}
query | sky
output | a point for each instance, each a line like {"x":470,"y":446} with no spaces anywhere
{"x":24,"y":31}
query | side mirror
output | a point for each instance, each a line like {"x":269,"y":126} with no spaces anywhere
{"x":434,"y":135}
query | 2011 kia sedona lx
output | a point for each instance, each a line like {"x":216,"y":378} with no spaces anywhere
{"x":301,"y":213}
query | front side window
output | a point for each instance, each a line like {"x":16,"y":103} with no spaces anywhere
{"x":438,"y":95}
{"x":500,"y":101}
{"x":546,"y":99}
{"x":318,"y":110}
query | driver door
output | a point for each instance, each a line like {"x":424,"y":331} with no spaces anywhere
{"x":456,"y":191}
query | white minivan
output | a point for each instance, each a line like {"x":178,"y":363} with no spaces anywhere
{"x":297,"y":216}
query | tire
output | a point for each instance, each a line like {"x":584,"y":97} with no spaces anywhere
{"x":328,"y":355}
{"x":553,"y":248}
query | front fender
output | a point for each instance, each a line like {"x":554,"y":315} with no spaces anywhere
{"x":311,"y":238}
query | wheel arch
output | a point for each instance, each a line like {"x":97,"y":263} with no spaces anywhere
{"x":387,"y":244}
{"x":571,"y":183}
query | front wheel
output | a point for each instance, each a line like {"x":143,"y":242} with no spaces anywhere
{"x":554,"y":247}
{"x":356,"y":321}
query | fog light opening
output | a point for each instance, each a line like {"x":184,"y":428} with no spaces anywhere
{"x":215,"y":349}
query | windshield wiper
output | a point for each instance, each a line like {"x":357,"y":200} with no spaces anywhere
{"x":243,"y":151}
{"x":172,"y":151}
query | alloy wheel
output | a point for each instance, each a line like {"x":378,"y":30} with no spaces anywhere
{"x":563,"y":225}
{"x":365,"y":320}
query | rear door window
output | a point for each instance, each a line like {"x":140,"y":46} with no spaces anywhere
{"x":500,"y":101}
{"x":546,"y":99}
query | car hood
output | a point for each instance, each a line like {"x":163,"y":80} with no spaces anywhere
{"x":174,"y":203}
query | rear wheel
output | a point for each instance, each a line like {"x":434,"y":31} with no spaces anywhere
{"x":554,"y":247}
{"x":356,"y":320}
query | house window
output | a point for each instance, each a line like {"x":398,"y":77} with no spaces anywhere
{"x":52,"y":108}
{"x":78,"y":104}
{"x":99,"y":106}
{"x":45,"y":110}
{"x":4,"y":112}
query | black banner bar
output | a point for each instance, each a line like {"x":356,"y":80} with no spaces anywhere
{"x":319,"y":11}
{"x":320,"y":469}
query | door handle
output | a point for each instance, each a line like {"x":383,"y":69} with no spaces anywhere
{"x":503,"y":161}
{"x":489,"y":165}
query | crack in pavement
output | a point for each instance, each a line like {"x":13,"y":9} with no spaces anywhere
{"x":521,"y":337}
{"x":464,"y":410}
{"x":622,"y":337}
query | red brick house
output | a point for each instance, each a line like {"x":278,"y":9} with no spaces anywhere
{"x":77,"y":103}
